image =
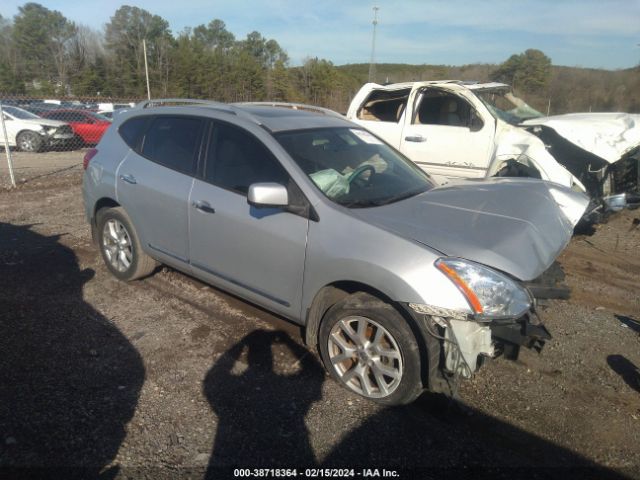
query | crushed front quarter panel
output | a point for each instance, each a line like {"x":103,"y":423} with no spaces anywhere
{"x":513,"y":143}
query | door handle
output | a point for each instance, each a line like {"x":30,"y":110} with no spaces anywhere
{"x":415,"y":138}
{"x":129,"y":179}
{"x":203,"y":206}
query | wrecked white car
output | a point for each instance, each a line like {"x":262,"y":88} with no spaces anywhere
{"x":453,"y":129}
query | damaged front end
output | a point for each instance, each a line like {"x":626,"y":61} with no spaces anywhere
{"x":465,"y":341}
{"x":595,"y":153}
{"x":616,"y":187}
{"x":608,"y":170}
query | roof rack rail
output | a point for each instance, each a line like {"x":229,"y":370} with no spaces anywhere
{"x":292,"y":106}
{"x":220,"y":106}
{"x":185,"y":101}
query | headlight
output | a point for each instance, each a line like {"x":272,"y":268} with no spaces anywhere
{"x":489,"y":293}
{"x":48,"y":129}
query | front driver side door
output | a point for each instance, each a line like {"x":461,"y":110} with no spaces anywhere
{"x":446,"y":135}
{"x":257,"y":253}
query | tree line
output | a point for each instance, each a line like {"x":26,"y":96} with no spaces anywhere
{"x":42,"y":53}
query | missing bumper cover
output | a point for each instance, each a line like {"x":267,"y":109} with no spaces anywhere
{"x":528,"y":332}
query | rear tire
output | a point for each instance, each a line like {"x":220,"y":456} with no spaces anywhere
{"x":120,"y":246}
{"x":370,"y":349}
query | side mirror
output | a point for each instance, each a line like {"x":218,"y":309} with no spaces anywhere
{"x":268,"y":195}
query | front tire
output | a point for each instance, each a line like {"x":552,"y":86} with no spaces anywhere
{"x":369,"y":348}
{"x":120,"y":246}
{"x":29,"y":141}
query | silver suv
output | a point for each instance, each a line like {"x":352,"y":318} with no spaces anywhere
{"x":402,"y":286}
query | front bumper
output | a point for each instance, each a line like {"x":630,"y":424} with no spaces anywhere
{"x":528,"y":331}
{"x":61,"y":140}
{"x":457,"y":346}
{"x":469,"y":342}
{"x":458,"y":343}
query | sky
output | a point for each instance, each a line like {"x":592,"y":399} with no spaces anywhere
{"x":585,"y":33}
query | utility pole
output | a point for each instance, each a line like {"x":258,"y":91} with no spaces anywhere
{"x":372,"y":63}
{"x":146,"y":67}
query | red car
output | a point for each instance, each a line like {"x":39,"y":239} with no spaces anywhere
{"x":89,"y":126}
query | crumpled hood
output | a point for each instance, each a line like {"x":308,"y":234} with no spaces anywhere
{"x":45,"y":122}
{"x":513,"y":225}
{"x":608,"y":135}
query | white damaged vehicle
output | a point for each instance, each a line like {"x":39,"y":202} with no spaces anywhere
{"x":30,"y":133}
{"x":453,"y":129}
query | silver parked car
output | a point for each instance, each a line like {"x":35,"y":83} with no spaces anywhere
{"x":400,"y":285}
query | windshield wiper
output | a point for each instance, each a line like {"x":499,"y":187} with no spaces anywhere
{"x":383,"y":201}
{"x":400,"y":196}
{"x":360,"y":204}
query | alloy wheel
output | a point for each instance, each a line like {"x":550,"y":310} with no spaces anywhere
{"x":27,"y":142}
{"x":365,"y":356}
{"x":116,"y":244}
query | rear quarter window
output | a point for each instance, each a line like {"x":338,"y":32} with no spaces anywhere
{"x":132,"y":131}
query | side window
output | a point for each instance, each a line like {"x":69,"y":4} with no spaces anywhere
{"x":384,"y":106}
{"x":173,"y":142}
{"x":133,"y":130}
{"x":236,"y":159}
{"x":442,"y":108}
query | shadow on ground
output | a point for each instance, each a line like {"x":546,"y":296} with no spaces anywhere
{"x":261,"y":409}
{"x":626,"y":369}
{"x":69,"y":380}
{"x":261,"y":412}
{"x":629,"y":322}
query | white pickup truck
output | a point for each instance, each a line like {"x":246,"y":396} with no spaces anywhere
{"x":477,"y":130}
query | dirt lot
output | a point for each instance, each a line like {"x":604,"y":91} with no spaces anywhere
{"x":167,"y":377}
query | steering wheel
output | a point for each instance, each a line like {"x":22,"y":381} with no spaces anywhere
{"x":358,"y":171}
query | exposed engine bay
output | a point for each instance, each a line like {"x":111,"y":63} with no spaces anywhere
{"x":611,"y":186}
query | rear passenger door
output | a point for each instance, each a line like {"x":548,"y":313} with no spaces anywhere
{"x":154,"y":181}
{"x":257,"y":253}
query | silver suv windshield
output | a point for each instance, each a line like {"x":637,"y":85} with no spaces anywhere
{"x":354,"y":168}
{"x":504,"y":105}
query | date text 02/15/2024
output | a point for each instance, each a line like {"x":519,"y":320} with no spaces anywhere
{"x":315,"y":473}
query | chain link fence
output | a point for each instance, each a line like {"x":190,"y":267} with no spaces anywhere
{"x":47,"y":135}
{"x":44,"y":124}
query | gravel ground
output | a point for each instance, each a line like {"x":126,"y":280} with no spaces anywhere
{"x":170,"y":378}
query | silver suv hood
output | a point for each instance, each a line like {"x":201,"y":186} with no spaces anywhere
{"x":513,"y":225}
